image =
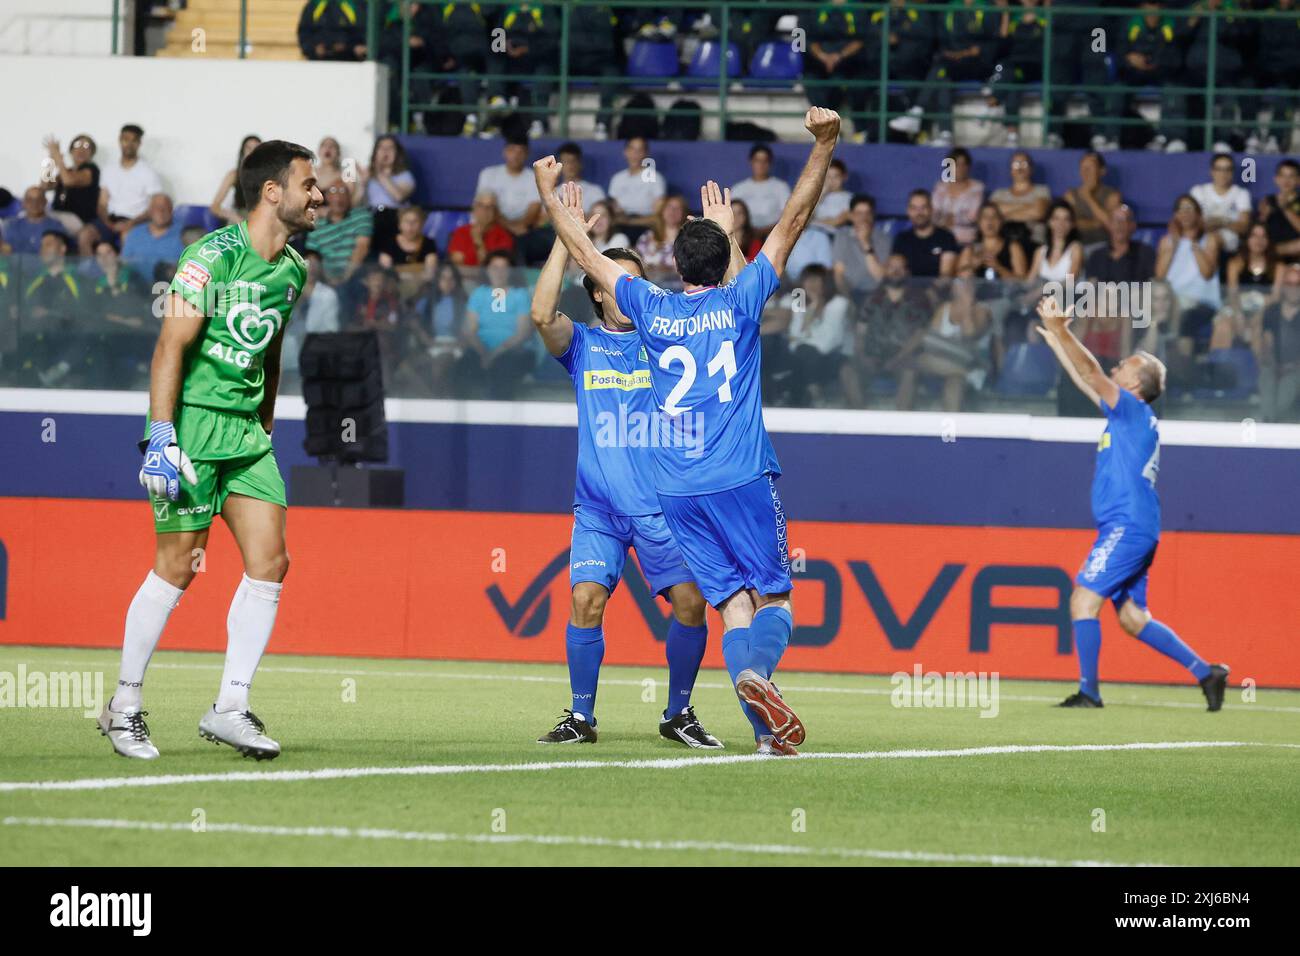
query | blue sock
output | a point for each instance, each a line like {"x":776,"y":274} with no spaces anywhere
{"x":685,"y":650}
{"x":769,"y":635}
{"x":1170,"y":644}
{"x":737,"y":654}
{"x":585,"y":649}
{"x":1087,"y":644}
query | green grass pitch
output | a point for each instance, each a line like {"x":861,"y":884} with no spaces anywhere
{"x":465,"y":733}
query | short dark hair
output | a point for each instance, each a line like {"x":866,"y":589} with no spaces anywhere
{"x":1218,"y":156}
{"x":618,"y":254}
{"x":867,"y":198}
{"x":1101,"y":160}
{"x":702,"y":251}
{"x":269,"y":162}
{"x":57,"y":234}
{"x":760,"y":148}
{"x":569,"y":149}
{"x":1292,"y":164}
{"x":132,"y":128}
{"x":499,"y":254}
{"x":839,"y":164}
{"x":919,"y":192}
{"x":814,"y":270}
{"x":517,"y":138}
{"x":959,"y":152}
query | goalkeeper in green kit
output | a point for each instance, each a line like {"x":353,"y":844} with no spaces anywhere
{"x":212,"y":389}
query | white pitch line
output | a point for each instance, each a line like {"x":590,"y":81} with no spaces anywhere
{"x":417,"y":836}
{"x":702,"y":685}
{"x":670,"y":763}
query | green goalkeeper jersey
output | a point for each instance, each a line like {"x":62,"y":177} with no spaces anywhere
{"x":248,"y":302}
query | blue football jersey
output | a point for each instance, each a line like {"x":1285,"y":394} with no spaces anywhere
{"x":611,"y":380}
{"x":704,"y":370}
{"x":1128,"y":460}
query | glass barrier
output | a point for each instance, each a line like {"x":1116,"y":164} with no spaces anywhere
{"x":828,"y":340}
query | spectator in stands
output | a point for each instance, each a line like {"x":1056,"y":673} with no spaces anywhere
{"x":1275,"y":66}
{"x":330,"y":168}
{"x":969,"y":40}
{"x":1233,"y":36}
{"x":1121,"y":259}
{"x":471,"y":242}
{"x":832,"y":209}
{"x":76,"y":187}
{"x":378,"y":309}
{"x":764,"y":194}
{"x":532,"y":38}
{"x":594,"y":47}
{"x":637,"y":189}
{"x":343,"y":235}
{"x":1060,"y":258}
{"x":957,"y":198}
{"x":1092,"y":200}
{"x":954,"y":348}
{"x":155,"y":242}
{"x":603,"y":234}
{"x":435,"y":336}
{"x":992,"y":256}
{"x":1188,"y":259}
{"x":1226,"y":205}
{"x":318,"y":304}
{"x":891,"y":322}
{"x":912,"y":36}
{"x":1024,"y":203}
{"x":460,"y":45}
{"x":1280,"y":212}
{"x":120,"y":329}
{"x":50,"y":309}
{"x":497,"y":332}
{"x":511,"y":182}
{"x":836,"y":51}
{"x":395,"y":38}
{"x":930,"y":250}
{"x":746,"y":235}
{"x":23,"y":233}
{"x":126,"y":187}
{"x":229,"y":204}
{"x":389,"y":184}
{"x":860,"y":250}
{"x":570,"y":156}
{"x":1022,"y":32}
{"x":1279,"y":350}
{"x":88,"y":239}
{"x":655,"y":246}
{"x":1252,"y":278}
{"x":1151,"y":54}
{"x":819,"y":338}
{"x":333,"y":30}
{"x":409,"y":253}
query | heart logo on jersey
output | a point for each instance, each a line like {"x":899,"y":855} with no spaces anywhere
{"x":252,"y":328}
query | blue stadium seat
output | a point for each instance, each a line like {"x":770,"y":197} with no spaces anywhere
{"x":1151,"y":235}
{"x":652,"y":58}
{"x":1235,"y":365}
{"x":440,"y":223}
{"x":707,"y":61}
{"x":776,"y":61}
{"x":200,"y":216}
{"x":1030,"y":369}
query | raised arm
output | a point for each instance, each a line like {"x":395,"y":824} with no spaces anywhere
{"x":603,"y":272}
{"x":555,"y":328}
{"x":824,"y":124}
{"x":715,"y":203}
{"x":1084,"y":370}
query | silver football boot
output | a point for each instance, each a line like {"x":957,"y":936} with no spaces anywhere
{"x":241,"y":730}
{"x":127,"y":732}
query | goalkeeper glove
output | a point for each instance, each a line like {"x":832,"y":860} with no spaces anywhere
{"x":164,"y":463}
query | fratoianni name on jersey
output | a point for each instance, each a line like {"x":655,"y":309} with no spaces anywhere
{"x":655,"y":429}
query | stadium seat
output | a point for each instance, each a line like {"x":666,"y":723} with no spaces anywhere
{"x":440,"y":223}
{"x":1029,"y":369}
{"x":1233,"y":374}
{"x":707,"y":61}
{"x":652,"y":58}
{"x":200,"y":216}
{"x":776,"y":61}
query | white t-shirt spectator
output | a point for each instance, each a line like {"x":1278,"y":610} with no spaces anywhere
{"x":832,"y":205}
{"x":765,"y":199}
{"x":129,"y":190}
{"x":591,"y":194}
{"x":377,"y":193}
{"x":636,"y":193}
{"x":814,"y":246}
{"x":828,"y":334}
{"x":515,"y":193}
{"x":1230,"y":205}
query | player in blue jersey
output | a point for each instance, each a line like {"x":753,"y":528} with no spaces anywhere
{"x":1126,"y":509}
{"x":715,"y":468}
{"x":615,"y":506}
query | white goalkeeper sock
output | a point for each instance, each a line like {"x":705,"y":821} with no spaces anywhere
{"x":249,"y":624}
{"x":145,"y":620}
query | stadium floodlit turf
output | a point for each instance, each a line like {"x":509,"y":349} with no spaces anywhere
{"x":476,"y":789}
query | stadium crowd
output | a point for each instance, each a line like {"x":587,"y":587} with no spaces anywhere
{"x":495,"y":48}
{"x":936,"y":308}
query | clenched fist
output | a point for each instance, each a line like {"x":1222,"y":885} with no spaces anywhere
{"x":824,"y":124}
{"x":547,"y":173}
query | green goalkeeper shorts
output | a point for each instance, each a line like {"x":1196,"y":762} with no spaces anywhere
{"x":231,"y":454}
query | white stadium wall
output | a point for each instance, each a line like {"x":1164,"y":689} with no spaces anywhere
{"x":194,"y":112}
